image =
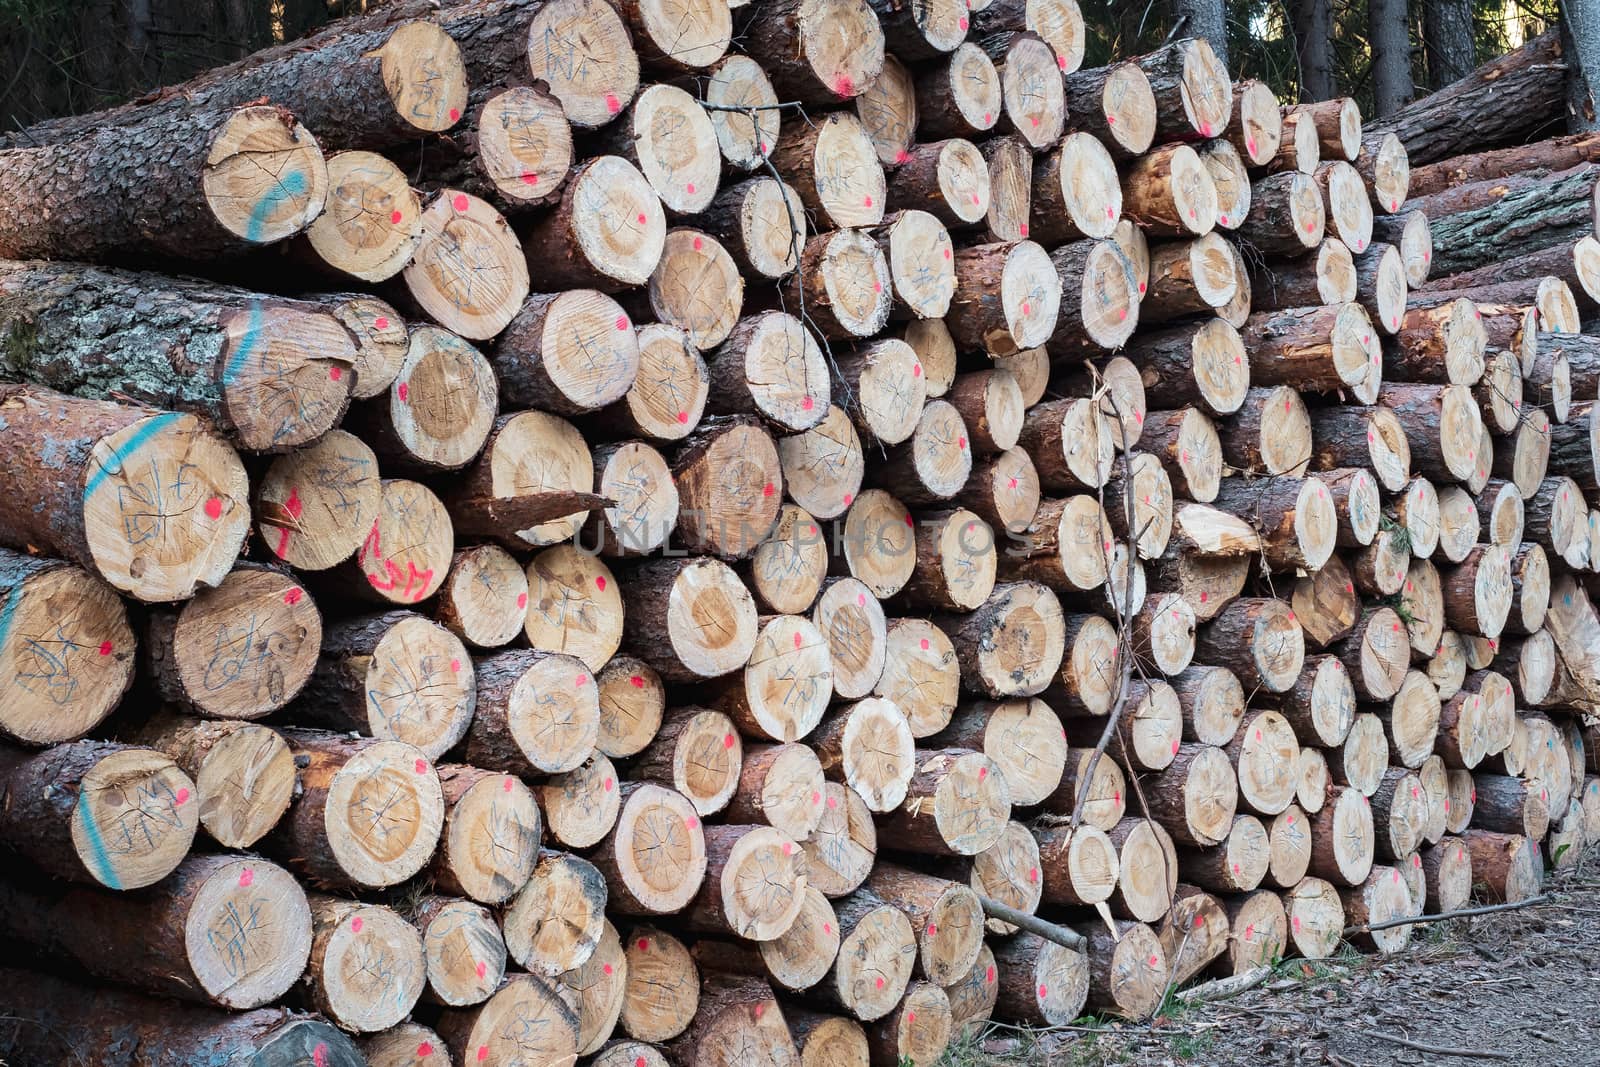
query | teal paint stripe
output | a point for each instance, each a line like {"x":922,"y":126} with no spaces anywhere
{"x":113,"y":465}
{"x":247,"y":345}
{"x":290,"y":185}
{"x":8,"y":613}
{"x":97,"y":847}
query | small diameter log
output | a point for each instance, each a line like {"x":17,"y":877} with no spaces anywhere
{"x":669,"y":392}
{"x":1329,"y":277}
{"x":369,"y":814}
{"x":581,"y":805}
{"x":696,"y":752}
{"x":1072,"y":446}
{"x":1012,"y":644}
{"x":1371,"y":437}
{"x":957,"y":804}
{"x":557,"y":919}
{"x":406,"y":553}
{"x":67,"y":1020}
{"x":663,"y":989}
{"x":404,"y":1045}
{"x":820,"y":56}
{"x":1040,"y":981}
{"x":840,"y":851}
{"x":1386,"y":168}
{"x":1007,"y":297}
{"x":1256,"y":127}
{"x":1383,"y":897}
{"x":98,"y":813}
{"x":1348,"y":205}
{"x":1075,"y":192}
{"x":879,"y":543}
{"x":1289,"y":848}
{"x":1188,"y":278}
{"x":190,"y":946}
{"x":991,"y":404}
{"x":823,"y":467}
{"x":1287,"y":216}
{"x":1192,"y":89}
{"x":844,"y":284}
{"x":1265,"y":756}
{"x":1295,"y":518}
{"x":1147,"y":869}
{"x":1212,"y":703}
{"x":833,"y":166}
{"x":568,"y":353}
{"x":644,"y":501}
{"x":1257,"y":639}
{"x":1003,"y":490}
{"x":1170,"y":193}
{"x":945,"y":917}
{"x":782,"y":786}
{"x":478,"y":302}
{"x":1444,"y":427}
{"x":527,"y":1018}
{"x":462,"y":949}
{"x":244,"y":772}
{"x":1442,"y":339}
{"x":607,"y":233}
{"x":852,"y":624}
{"x":1326,"y":603}
{"x":914,"y":244}
{"x":1321,"y":706}
{"x":1194,"y":933}
{"x":761,"y":224}
{"x":1195,"y":798}
{"x":1238,"y":865}
{"x":1100,"y":308}
{"x":537,"y":712}
{"x":754,"y":885}
{"x":1008,"y":871}
{"x":1010,"y":184}
{"x":598,"y":987}
{"x":955,"y":562}
{"x":1342,"y":839}
{"x":948,"y":179}
{"x":1076,"y":866}
{"x":1030,"y":82}
{"x":1381,"y":285}
{"x":1202,"y":363}
{"x":1447,"y":875}
{"x":920,"y":676}
{"x":1511,"y":805}
{"x":1299,"y":148}
{"x":106,"y":502}
{"x":314,"y":506}
{"x":1127,"y":971}
{"x":491,"y":834}
{"x":885,"y":389}
{"x":1232,"y":181}
{"x":1186,"y":443}
{"x":484,"y":598}
{"x":1410,"y":232}
{"x":1399,"y":814}
{"x":396,"y":676}
{"x":1376,"y":654}
{"x":868,"y":746}
{"x":972,"y":1000}
{"x":654,"y":860}
{"x":1478,"y":593}
{"x":934,"y":464}
{"x":1116,"y":105}
{"x":730,"y":485}
{"x":440,"y":409}
{"x":1258,"y":931}
{"x":877,"y":945}
{"x":786,"y":683}
{"x":1150,"y":524}
{"x":959,"y":95}
{"x":574,"y":605}
{"x":1316,"y":918}
{"x":787,"y":570}
{"x":682,"y":39}
{"x":62,"y":687}
{"x":362,"y":999}
{"x":1328,"y":348}
{"x":516,"y":156}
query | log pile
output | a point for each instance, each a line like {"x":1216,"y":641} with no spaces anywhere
{"x":606,"y":545}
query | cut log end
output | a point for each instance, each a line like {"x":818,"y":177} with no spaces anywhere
{"x":373,"y":221}
{"x":478,"y":299}
{"x":264,"y":178}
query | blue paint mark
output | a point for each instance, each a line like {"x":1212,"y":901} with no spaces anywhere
{"x":290,"y":185}
{"x":8,"y":614}
{"x":113,"y":465}
{"x":247,"y":345}
{"x":97,"y":847}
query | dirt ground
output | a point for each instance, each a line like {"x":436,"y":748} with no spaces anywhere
{"x":1519,"y":987}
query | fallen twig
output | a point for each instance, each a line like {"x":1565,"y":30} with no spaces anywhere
{"x":1437,"y":1050}
{"x":1034,"y":925}
{"x":1462,"y":913}
{"x":1223,"y":988}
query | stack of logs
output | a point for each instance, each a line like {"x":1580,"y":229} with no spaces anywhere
{"x":601,"y":545}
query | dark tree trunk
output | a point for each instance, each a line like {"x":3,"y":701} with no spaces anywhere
{"x":1313,"y":31}
{"x":1208,"y":19}
{"x":1580,"y":38}
{"x":1447,"y":40}
{"x":1391,"y":54}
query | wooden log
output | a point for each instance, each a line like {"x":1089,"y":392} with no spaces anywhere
{"x":1075,"y":192}
{"x":369,"y":814}
{"x":1506,"y":865}
{"x":315,"y":505}
{"x":406,"y":553}
{"x":194,"y":943}
{"x":754,"y":885}
{"x":230,"y":179}
{"x":1192,"y":89}
{"x":730,"y":485}
{"x":957,"y":804}
{"x":70,"y":1020}
{"x":1010,"y":184}
{"x":760,"y":223}
{"x":462,"y":949}
{"x":484,"y":598}
{"x":1189,"y":277}
{"x":834,"y":168}
{"x":1068,"y":546}
{"x":1196,"y":797}
{"x":1349,"y":208}
{"x":574,"y":245}
{"x":1328,"y":348}
{"x":476,"y":303}
{"x":1561,"y":202}
{"x":106,"y":502}
{"x":780,"y":785}
{"x":516,"y":155}
{"x":1386,"y":168}
{"x":1442,"y":425}
{"x":98,"y":813}
{"x":491,"y":832}
{"x":404,"y":1045}
{"x":923,"y":277}
{"x":856,"y":634}
{"x":1127,"y":970}
{"x":786,"y":684}
{"x":395,"y":676}
{"x":696,"y":752}
{"x":1256,"y":126}
{"x":1295,"y":518}
{"x":1190,"y":452}
{"x":954,"y":563}
{"x":362,"y":1000}
{"x":1100,"y":308}
{"x":958,"y":95}
{"x":531,"y":485}
{"x":820,"y":57}
{"x":879,"y":536}
{"x":1511,"y":805}
{"x":877,"y":945}
{"x":1287,"y":216}
{"x":556,"y":920}
{"x":920,"y":675}
{"x":493,"y":1031}
{"x":1008,"y":871}
{"x":1040,"y":981}
{"x":269,"y":374}
{"x":644,"y":504}
{"x":885,"y":389}
{"x":1257,"y":639}
{"x":1329,"y":277}
{"x":833,"y":1038}
{"x":1169,"y":193}
{"x":945,"y":918}
{"x":1201,"y":364}
{"x":372,"y":224}
{"x":568,"y":353}
{"x":845,"y":284}
{"x":1007,"y":297}
{"x":62,"y":687}
{"x":1342,"y":839}
{"x":823,"y":467}
{"x":1116,"y":105}
{"x":1232,"y":182}
{"x":536,"y":712}
{"x":868,"y":746}
{"x":1034,"y":100}
{"x":1264,"y":754}
{"x":840,"y":851}
{"x":244,"y":772}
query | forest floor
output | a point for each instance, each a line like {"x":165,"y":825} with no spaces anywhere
{"x":1518,"y":987}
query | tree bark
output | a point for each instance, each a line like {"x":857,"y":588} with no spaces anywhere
{"x":1389,"y":36}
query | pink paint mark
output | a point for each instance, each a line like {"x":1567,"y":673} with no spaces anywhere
{"x":827,"y":928}
{"x":877,"y":287}
{"x":424,"y":1050}
{"x":1111,"y":212}
{"x":933,"y":930}
{"x":644,"y":946}
{"x":689,"y":188}
{"x":1250,"y":146}
{"x":335,"y":373}
{"x":182,"y":795}
{"x":610,"y":784}
{"x":214,"y":508}
{"x":988,"y":118}
{"x":909,"y":521}
{"x":961,"y":443}
{"x":422,"y":766}
{"x":580,"y":681}
{"x":847,"y":498}
{"x":394,"y":220}
{"x":607,"y":968}
{"x":833,"y":802}
{"x":861,"y":600}
{"x":1025,"y":307}
{"x":483,"y":1053}
{"x":1174,"y":748}
{"x":691,"y":822}
{"x":530,"y":178}
{"x":1044,"y":991}
{"x":788,"y":848}
{"x":1297,"y":922}
{"x":1310,"y":226}
{"x":1023,"y":229}
{"x":246,"y":877}
{"x":880,"y":983}
{"x":983,"y":772}
{"x":460,"y":203}
{"x":355,"y":924}
{"x":319,"y":1055}
{"x":947,"y":253}
{"x":382,"y":321}
{"x":522,"y":601}
{"x":403,"y":391}
{"x":613,"y":105}
{"x":816,"y":796}
{"x":763,"y":147}
{"x":683,"y":417}
{"x":797,"y":641}
{"x":727,"y":740}
{"x":1222,"y":219}
{"x":1034,"y":119}
{"x":1142,"y":287}
{"x":506,"y":784}
{"x":916,"y":370}
{"x":600,"y":583}
{"x":768,"y":489}
{"x":807,"y":403}
{"x":483,"y":968}
{"x":866,"y":201}
{"x":1204,"y":596}
{"x":844,"y":86}
{"x":455,"y":666}
{"x":902,"y":156}
{"x":106,"y":646}
{"x":642,"y":218}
